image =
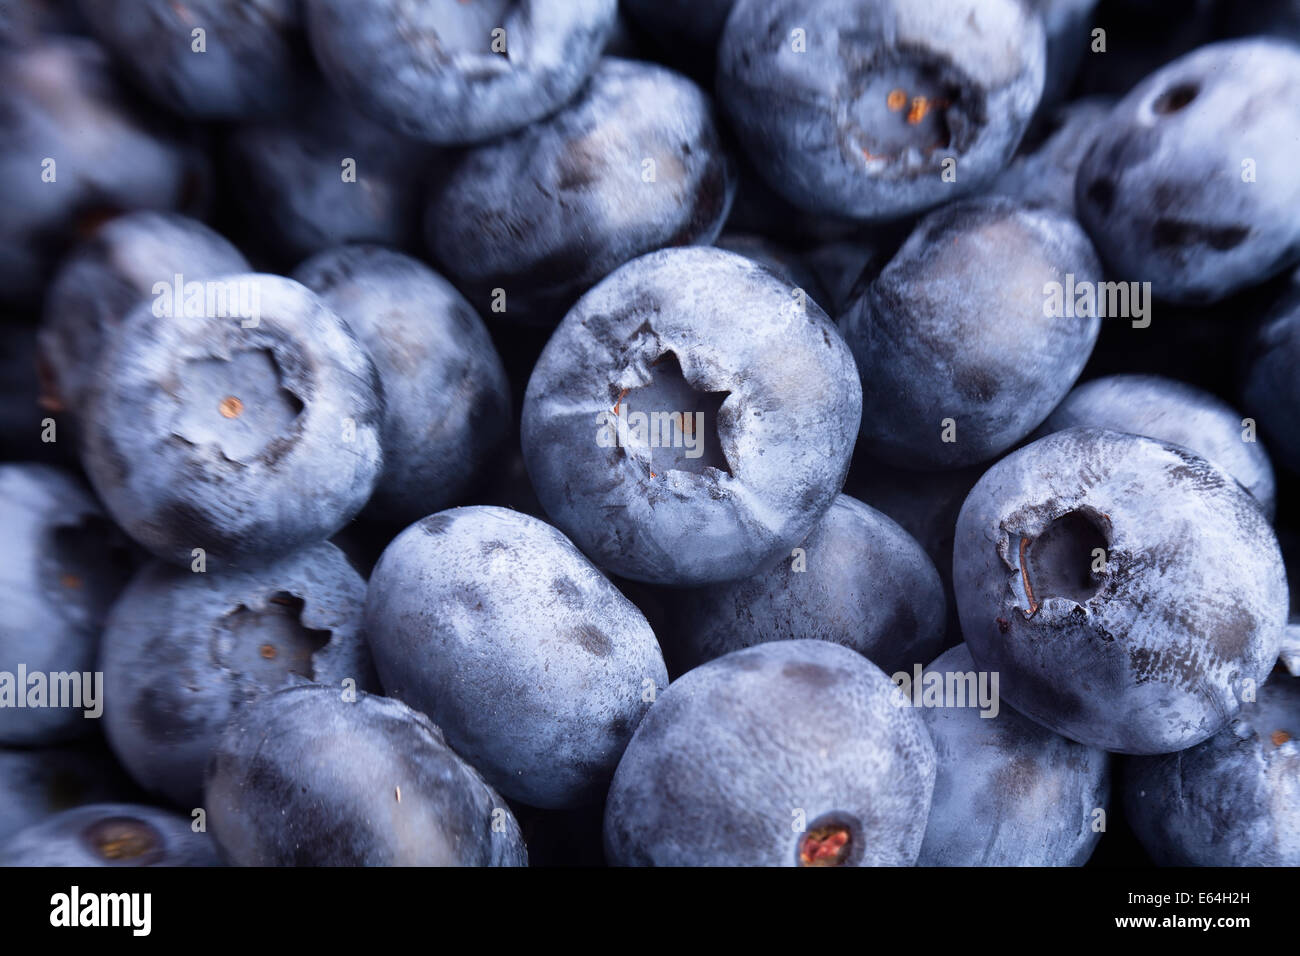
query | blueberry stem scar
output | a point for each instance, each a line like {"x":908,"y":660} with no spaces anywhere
{"x":1024,"y":576}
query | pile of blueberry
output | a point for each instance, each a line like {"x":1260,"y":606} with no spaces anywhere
{"x":726,"y":432}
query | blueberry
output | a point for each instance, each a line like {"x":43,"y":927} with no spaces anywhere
{"x":248,"y":63}
{"x":1068,"y":28}
{"x":531,"y":661}
{"x":105,"y":276}
{"x":785,"y":263}
{"x":1270,"y":390}
{"x":1189,"y":184}
{"x":634,"y":163}
{"x":845,"y":267}
{"x":858,"y":579}
{"x":60,"y":104}
{"x":181,"y":652}
{"x":36,"y":784}
{"x":326,"y":176}
{"x":852,"y":109}
{"x":251,"y":432}
{"x":961,"y":356}
{"x":1174,"y":412}
{"x":755,"y":402}
{"x":1127,"y":590}
{"x":302,"y":777}
{"x":925,"y":504}
{"x":792,"y":753}
{"x":63,"y":565}
{"x":1008,"y":792}
{"x":1045,"y":174}
{"x":1233,"y":800}
{"x":111,"y":835}
{"x":446,"y":395}
{"x":449,"y":72}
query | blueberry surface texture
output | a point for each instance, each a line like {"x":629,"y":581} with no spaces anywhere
{"x":1270,"y":388}
{"x":62,"y":565}
{"x":528,"y":223}
{"x":447,"y":403}
{"x":725,"y":364}
{"x":528,"y":658}
{"x":38,"y":783}
{"x":1233,"y":800}
{"x":858,"y":579}
{"x":181,"y":652}
{"x":960,"y":356}
{"x":106,"y":276}
{"x":1007,"y":792}
{"x":1173,"y":412}
{"x":1192,"y":184}
{"x":303,"y":777}
{"x":327,"y":175}
{"x":252,"y":432}
{"x":245,"y":62}
{"x":452,"y":73}
{"x":792,"y":753}
{"x":60,"y":101}
{"x":853,"y":109}
{"x":1130,"y":592}
{"x":111,"y":835}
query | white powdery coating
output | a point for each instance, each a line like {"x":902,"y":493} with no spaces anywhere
{"x":173,"y":495}
{"x":786,"y":429}
{"x":1175,"y":412}
{"x":725,"y":758}
{"x":1244,"y":108}
{"x":1008,"y":792}
{"x":387,"y":56}
{"x":529,"y":659}
{"x":1191,"y":607}
{"x":45,"y":626}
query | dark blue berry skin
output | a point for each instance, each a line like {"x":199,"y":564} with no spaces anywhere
{"x":111,"y":835}
{"x":287,"y":177}
{"x":722,"y":342}
{"x":738,"y":752}
{"x":1270,"y":390}
{"x":182,"y":652}
{"x":109,"y":273}
{"x":1233,"y":800}
{"x":925,"y":504}
{"x":545,"y":214}
{"x":447,"y":401}
{"x":429,"y":70}
{"x":1174,"y":412}
{"x":1067,"y":25}
{"x":251,"y":64}
{"x":36,"y":784}
{"x":1164,"y":191}
{"x":783,"y":262}
{"x":63,"y":564}
{"x":819,"y":123}
{"x":858,"y":579}
{"x":60,"y":101}
{"x":240,"y":436}
{"x":302,"y":777}
{"x":1045,"y":174}
{"x":1126,"y":589}
{"x":1008,"y":792}
{"x":930,"y":350}
{"x":531,"y":661}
